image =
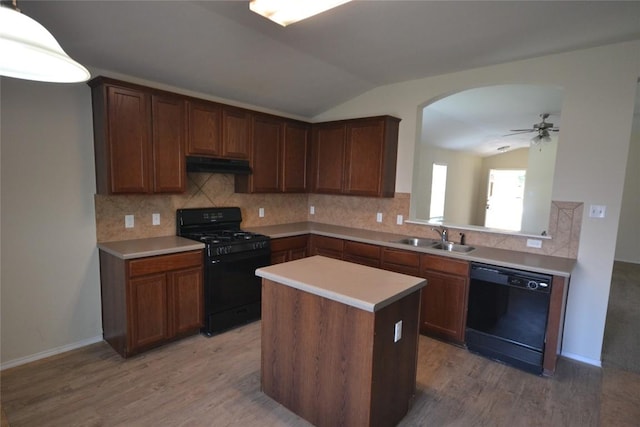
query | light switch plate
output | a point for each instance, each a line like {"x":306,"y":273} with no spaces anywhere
{"x":397,"y":333}
{"x":155,"y":219}
{"x":261,"y":212}
{"x":399,"y":220}
{"x":379,"y":217}
{"x":128,"y":221}
{"x":534,"y":243}
{"x":312,"y":210}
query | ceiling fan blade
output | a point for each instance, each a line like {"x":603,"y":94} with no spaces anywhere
{"x":518,"y":132}
{"x":523,"y":130}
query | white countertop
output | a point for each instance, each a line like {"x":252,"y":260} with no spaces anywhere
{"x":366,"y":288}
{"x":501,"y":257}
{"x":139,"y":248}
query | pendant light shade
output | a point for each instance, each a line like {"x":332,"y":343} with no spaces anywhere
{"x":30,"y":52}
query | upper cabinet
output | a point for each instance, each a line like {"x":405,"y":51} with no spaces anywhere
{"x":204,"y":128}
{"x":355,"y":157}
{"x":278,"y":156}
{"x":139,"y":139}
{"x":216,"y":130}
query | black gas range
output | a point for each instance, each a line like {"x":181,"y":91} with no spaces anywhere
{"x":232,"y":291}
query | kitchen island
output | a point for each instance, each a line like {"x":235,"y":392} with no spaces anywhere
{"x":339,"y":341}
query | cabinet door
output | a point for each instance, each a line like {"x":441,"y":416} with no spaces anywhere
{"x":147,"y":311}
{"x":328,"y":158}
{"x":326,"y":246}
{"x":266,"y":140}
{"x":169,"y":173}
{"x":295,"y":157}
{"x":129,"y":140}
{"x":443,"y":306}
{"x":362,"y":253}
{"x":401,"y":261}
{"x":204,"y":129}
{"x":235,"y":133}
{"x":186,"y":301}
{"x":364,"y":151}
{"x":288,"y":249}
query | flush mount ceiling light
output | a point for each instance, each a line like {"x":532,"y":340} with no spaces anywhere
{"x":542,"y":136}
{"x":285,"y":12}
{"x":30,"y":52}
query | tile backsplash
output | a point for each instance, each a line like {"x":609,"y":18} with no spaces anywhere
{"x":205,"y":190}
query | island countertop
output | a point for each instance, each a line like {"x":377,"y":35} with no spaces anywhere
{"x":359,"y":286}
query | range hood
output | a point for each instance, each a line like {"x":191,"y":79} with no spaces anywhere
{"x":211,"y":165}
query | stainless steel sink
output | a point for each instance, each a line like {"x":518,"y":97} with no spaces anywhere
{"x":453,"y":247}
{"x":415,"y":241}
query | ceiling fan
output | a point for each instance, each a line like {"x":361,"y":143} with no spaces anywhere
{"x":543,"y":128}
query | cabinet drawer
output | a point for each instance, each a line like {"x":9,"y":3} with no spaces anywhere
{"x":328,"y":243}
{"x":444,"y":264}
{"x":400,"y":261}
{"x":363,"y":250}
{"x":161,"y":263}
{"x":288,"y":243}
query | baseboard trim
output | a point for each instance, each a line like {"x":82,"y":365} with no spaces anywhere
{"x":48,"y":353}
{"x":578,"y":358}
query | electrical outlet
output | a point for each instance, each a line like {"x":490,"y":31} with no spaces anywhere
{"x":128,"y":221}
{"x":399,"y":220}
{"x":597,"y":211}
{"x":379,"y":217}
{"x":155,"y":219}
{"x":534,"y":243}
{"x":397,"y":332}
{"x":261,"y":212}
{"x":312,"y":210}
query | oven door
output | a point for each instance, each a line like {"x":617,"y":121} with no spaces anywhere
{"x":232,"y":289}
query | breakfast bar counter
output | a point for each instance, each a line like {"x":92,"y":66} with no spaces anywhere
{"x":340,"y":341}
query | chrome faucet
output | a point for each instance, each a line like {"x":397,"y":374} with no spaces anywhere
{"x":444,"y":233}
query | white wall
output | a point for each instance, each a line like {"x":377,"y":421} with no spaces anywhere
{"x":50,"y":285}
{"x":599,"y":88}
{"x":628,"y":243}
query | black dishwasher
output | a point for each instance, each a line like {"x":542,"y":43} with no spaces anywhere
{"x":507,"y":315}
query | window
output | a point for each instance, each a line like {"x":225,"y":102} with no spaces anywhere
{"x":438,"y":191}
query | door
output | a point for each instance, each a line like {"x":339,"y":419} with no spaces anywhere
{"x":266,"y":135}
{"x":235,"y":133}
{"x":169,"y":173}
{"x":505,"y":195}
{"x":295,"y":157}
{"x":204,"y":129}
{"x":186,"y":300}
{"x":148,"y":310}
{"x":328,"y":158}
{"x":129,"y":139}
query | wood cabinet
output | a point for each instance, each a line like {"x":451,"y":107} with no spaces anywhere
{"x":444,"y":299}
{"x":288,"y":249}
{"x":330,"y":247}
{"x":400,"y":261}
{"x":355,"y":157}
{"x":204,"y":128}
{"x":361,"y":253}
{"x":149,"y":301}
{"x":236,"y":124}
{"x":278,"y":157}
{"x":139,"y":139}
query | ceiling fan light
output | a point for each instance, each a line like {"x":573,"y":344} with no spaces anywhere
{"x":285,"y":12}
{"x":30,"y":52}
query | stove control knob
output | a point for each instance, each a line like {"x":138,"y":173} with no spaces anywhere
{"x":532,"y":284}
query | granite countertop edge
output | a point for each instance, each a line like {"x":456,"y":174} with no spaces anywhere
{"x":147,"y":247}
{"x":546,"y":264}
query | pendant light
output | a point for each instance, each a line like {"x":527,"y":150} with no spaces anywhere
{"x":30,"y":52}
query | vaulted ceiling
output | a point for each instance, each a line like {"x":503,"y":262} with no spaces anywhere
{"x":223,"y":49}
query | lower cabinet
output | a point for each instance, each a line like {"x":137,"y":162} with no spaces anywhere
{"x":149,"y":301}
{"x":361,"y":253}
{"x":326,"y":246}
{"x":288,"y":248}
{"x":444,"y":300}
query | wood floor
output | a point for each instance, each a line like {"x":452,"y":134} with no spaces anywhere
{"x":216,"y":382}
